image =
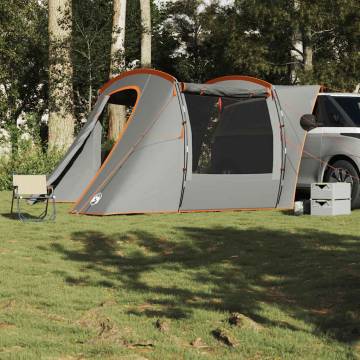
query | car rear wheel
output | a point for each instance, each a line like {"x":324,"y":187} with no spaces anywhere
{"x":344,"y":171}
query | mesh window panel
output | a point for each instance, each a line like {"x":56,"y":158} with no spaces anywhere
{"x":230,"y":136}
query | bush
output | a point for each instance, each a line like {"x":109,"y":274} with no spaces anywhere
{"x":106,"y":148}
{"x":29,"y":159}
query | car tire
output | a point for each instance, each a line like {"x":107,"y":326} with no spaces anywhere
{"x":345,"y":171}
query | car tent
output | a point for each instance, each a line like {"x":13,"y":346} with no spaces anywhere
{"x":232,"y":143}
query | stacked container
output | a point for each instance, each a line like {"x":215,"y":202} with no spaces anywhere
{"x":330,"y":199}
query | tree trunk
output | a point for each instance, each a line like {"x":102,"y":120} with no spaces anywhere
{"x":118,"y":37}
{"x":308,"y":51}
{"x":117,"y":113}
{"x":61,"y":112}
{"x":146,"y":33}
{"x":297,"y":52}
{"x":117,"y":120}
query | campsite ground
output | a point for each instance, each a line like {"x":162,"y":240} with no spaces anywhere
{"x":92,"y":287}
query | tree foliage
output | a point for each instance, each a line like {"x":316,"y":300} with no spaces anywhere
{"x":23,"y":61}
{"x":92,"y":22}
{"x":193,"y":39}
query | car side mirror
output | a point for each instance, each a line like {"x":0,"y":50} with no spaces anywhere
{"x":308,"y":122}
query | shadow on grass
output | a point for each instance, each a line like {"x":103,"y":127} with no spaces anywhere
{"x":311,"y":275}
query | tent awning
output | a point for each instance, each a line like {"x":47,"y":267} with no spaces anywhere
{"x":222,"y":90}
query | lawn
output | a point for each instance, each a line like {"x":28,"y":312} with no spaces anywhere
{"x":94,"y":287}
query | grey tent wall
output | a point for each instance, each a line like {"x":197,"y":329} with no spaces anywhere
{"x":235,"y":191}
{"x":295,"y":101}
{"x":145,"y":169}
{"x":85,"y":165}
{"x":82,"y":159}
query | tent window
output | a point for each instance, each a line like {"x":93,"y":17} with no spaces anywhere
{"x":122,"y":104}
{"x":125,"y":97}
{"x":230,"y":136}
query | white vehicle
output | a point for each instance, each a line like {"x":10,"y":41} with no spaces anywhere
{"x":332,"y":150}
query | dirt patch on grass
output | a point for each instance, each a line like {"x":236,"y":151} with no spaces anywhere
{"x":6,"y":325}
{"x":199,"y":343}
{"x":223,"y":336}
{"x":11,"y":349}
{"x":242,"y":321}
{"x":8,"y":304}
{"x":162,"y":325}
{"x":104,"y":328}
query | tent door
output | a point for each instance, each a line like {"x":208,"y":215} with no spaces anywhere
{"x":235,"y":153}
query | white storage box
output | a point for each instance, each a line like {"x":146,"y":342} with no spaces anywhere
{"x":331,"y":191}
{"x":330,"y":207}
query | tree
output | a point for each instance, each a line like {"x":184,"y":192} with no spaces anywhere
{"x":23,"y":64}
{"x":61,"y":115}
{"x":91,"y":42}
{"x":183,"y":37}
{"x":146,"y":33}
{"x":117,"y":113}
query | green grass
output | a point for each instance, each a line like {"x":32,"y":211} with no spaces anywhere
{"x":93,"y":287}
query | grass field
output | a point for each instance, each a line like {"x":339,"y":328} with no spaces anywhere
{"x":93,"y":288}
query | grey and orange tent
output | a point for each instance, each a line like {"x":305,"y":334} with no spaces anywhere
{"x":232,"y":143}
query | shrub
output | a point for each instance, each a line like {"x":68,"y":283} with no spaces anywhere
{"x":29,"y":159}
{"x":106,"y":148}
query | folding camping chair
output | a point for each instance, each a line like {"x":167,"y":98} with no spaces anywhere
{"x":23,"y":188}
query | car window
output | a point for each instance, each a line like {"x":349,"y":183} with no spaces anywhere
{"x":351,"y":105}
{"x":327,"y":114}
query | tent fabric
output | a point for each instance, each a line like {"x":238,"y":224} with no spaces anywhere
{"x":229,"y":190}
{"x":193,"y":150}
{"x":144,"y":170}
{"x":295,"y":101}
{"x":79,"y":155}
{"x":81,"y":169}
{"x":232,"y":90}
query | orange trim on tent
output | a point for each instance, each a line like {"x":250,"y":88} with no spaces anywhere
{"x":162,"y":74}
{"x":182,"y":133}
{"x":241,"y":77}
{"x":182,"y":211}
{"x":138,"y":91}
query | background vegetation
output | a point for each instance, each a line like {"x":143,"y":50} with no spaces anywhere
{"x":191,"y":40}
{"x":282,"y":41}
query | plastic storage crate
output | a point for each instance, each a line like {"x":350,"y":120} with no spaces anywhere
{"x":330,"y":207}
{"x":330,"y":191}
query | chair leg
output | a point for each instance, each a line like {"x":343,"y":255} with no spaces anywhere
{"x":19,"y":209}
{"x":54,"y":207}
{"x":43,"y":216}
{"x":44,"y":213}
{"x":12,"y":201}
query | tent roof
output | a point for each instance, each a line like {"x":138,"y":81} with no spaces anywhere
{"x":229,"y":90}
{"x":244,"y":78}
{"x":159,"y":73}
